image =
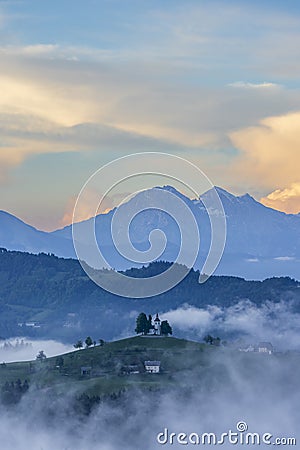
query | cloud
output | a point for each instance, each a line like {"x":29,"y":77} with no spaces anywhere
{"x":269,"y":151}
{"x":19,"y":143}
{"x":287,"y":200}
{"x":30,"y":50}
{"x":274,"y":322}
{"x":36,"y":113}
{"x":190,"y":317}
{"x":86,"y":207}
{"x":24,"y":349}
{"x":52,"y":101}
{"x":247,"y":85}
{"x":70,"y":86}
{"x":87,"y":210}
{"x":285,"y":258}
{"x":52,"y":88}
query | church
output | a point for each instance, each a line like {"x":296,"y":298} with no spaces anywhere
{"x":147,"y":326}
{"x":156,"y":326}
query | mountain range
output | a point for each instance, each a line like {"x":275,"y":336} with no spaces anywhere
{"x":261,"y":242}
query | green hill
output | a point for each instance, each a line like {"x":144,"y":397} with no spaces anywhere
{"x":186,"y":367}
{"x":107,"y":365}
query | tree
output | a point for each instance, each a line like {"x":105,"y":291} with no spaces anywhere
{"x":78,"y":344}
{"x":217,"y":341}
{"x":18,"y":385}
{"x":150,"y":322}
{"x":25,"y":386}
{"x":142,"y":324}
{"x":208,"y":339}
{"x":88,"y":341}
{"x":101,"y":342}
{"x":212,"y":340}
{"x":41,"y":356}
{"x":166,"y":329}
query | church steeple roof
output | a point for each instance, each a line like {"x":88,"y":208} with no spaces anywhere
{"x":157,"y":319}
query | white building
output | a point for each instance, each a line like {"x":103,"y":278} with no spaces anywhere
{"x":152,"y":366}
{"x":265,"y":347}
{"x":157,"y":325}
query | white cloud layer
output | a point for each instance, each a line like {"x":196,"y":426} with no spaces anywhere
{"x":274,"y":322}
{"x":270,"y":156}
{"x":24,"y":349}
{"x":287,"y":199}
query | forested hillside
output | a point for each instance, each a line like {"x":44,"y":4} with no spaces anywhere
{"x":55,"y":298}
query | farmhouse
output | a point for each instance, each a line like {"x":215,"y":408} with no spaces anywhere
{"x":152,"y":366}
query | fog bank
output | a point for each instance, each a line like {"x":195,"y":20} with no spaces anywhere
{"x":24,"y":349}
{"x":261,"y":390}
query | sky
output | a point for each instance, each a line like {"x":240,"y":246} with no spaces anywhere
{"x":83,"y":83}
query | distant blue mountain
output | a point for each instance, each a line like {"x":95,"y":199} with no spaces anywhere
{"x":261,"y":242}
{"x":17,"y":235}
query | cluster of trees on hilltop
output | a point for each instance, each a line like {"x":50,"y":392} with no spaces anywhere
{"x":208,"y":339}
{"x":144,"y":325}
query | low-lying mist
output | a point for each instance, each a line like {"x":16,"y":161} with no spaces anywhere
{"x":278,"y":323}
{"x":24,"y":349}
{"x":261,"y":390}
